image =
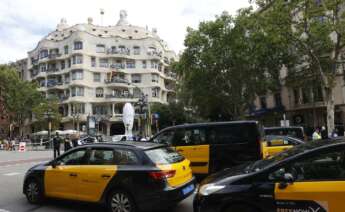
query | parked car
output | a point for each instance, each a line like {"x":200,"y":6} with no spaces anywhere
{"x":295,"y":132}
{"x":274,"y":144}
{"x":87,"y":140}
{"x":213,"y":146}
{"x":125,"y":177}
{"x":307,"y":177}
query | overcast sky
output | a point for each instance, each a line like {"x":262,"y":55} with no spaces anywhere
{"x":24,"y":22}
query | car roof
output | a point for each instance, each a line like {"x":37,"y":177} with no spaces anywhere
{"x":211,"y":124}
{"x":128,"y":144}
{"x":276,"y":128}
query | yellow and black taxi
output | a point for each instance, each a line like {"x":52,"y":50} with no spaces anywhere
{"x":273,"y":144}
{"x":126,"y":177}
{"x":309,"y":177}
{"x":216,"y":145}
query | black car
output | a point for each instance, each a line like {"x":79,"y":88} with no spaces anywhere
{"x":125,"y":176}
{"x":309,"y":177}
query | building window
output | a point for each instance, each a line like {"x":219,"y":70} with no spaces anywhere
{"x":155,"y":92}
{"x":278,"y":99}
{"x":69,"y":63}
{"x":43,"y":53}
{"x":263,"y":102}
{"x":136,"y":78}
{"x":63,"y":65}
{"x":78,"y":45}
{"x":77,"y":75}
{"x":99,"y":92}
{"x":66,"y":49}
{"x":78,"y":108}
{"x":100,"y":48}
{"x":136,"y":50}
{"x":136,"y":93}
{"x":130,"y":64}
{"x":93,"y":62}
{"x":144,"y":64}
{"x":154,"y":64}
{"x":67,"y":79}
{"x":96,"y":77}
{"x":296,"y":95}
{"x":99,"y":109}
{"x":77,"y":59}
{"x":77,"y":91}
{"x":317,"y":91}
{"x":103,"y":63}
{"x":43,"y":67}
{"x":155,"y":78}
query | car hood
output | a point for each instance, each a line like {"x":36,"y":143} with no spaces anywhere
{"x":227,"y":175}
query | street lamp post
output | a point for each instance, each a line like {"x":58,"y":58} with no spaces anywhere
{"x":49,"y":116}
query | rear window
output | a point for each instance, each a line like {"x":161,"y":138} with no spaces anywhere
{"x":234,"y":133}
{"x":164,"y":156}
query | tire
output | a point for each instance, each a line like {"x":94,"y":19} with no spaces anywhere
{"x":120,"y":201}
{"x":240,"y":208}
{"x":33,"y":192}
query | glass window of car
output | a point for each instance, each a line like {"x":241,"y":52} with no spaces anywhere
{"x":74,"y":158}
{"x":125,"y":157}
{"x":165,"y":137}
{"x":190,"y":137}
{"x":101,"y":157}
{"x":321,"y":167}
{"x":236,"y":133}
{"x":164,"y":156}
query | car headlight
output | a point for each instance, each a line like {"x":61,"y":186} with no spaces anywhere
{"x":208,"y":189}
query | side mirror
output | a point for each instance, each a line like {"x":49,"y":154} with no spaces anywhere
{"x":54,"y":164}
{"x":287,"y":179}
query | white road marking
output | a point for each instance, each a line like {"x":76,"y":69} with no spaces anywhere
{"x":3,"y":210}
{"x":11,"y":174}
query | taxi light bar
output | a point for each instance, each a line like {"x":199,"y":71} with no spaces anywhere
{"x":161,"y":175}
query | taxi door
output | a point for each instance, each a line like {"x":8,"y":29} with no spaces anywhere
{"x":61,"y":181}
{"x":95,"y":176}
{"x":319,"y":185}
{"x":192,"y":143}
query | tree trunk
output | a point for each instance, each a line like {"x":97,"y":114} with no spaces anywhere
{"x":330,"y":104}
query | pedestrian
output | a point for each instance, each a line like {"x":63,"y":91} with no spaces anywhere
{"x":75,"y":140}
{"x":56,"y":144}
{"x":67,"y":143}
{"x":13,"y":144}
{"x":324,"y":134}
{"x":317,"y":135}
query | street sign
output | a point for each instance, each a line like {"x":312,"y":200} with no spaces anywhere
{"x":22,"y":146}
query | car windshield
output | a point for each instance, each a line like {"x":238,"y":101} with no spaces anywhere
{"x":261,"y":164}
{"x":164,"y":156}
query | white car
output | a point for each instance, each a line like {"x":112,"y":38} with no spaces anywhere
{"x":117,"y":138}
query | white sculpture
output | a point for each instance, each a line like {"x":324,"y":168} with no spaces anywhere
{"x":128,"y":118}
{"x":62,"y":25}
{"x":123,"y":19}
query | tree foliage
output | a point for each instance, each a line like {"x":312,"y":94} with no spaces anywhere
{"x":315,"y":33}
{"x":226,"y":63}
{"x":19,"y":97}
{"x":40,"y":113}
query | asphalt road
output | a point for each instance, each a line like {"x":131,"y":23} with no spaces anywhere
{"x":13,"y":166}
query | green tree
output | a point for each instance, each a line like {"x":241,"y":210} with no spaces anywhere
{"x":226,"y":63}
{"x":41,"y":119}
{"x":19,"y":97}
{"x":315,"y":33}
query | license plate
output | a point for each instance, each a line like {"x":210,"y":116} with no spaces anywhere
{"x":188,"y":189}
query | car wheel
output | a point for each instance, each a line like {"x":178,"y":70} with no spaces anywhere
{"x":33,"y":192}
{"x":240,"y":208}
{"x":120,"y":201}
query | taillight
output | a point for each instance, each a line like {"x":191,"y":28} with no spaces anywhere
{"x":161,"y":175}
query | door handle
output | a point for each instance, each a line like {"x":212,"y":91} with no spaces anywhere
{"x":105,"y":176}
{"x":180,"y":150}
{"x":73,"y":175}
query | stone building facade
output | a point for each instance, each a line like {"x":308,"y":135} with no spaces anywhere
{"x":94,"y":70}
